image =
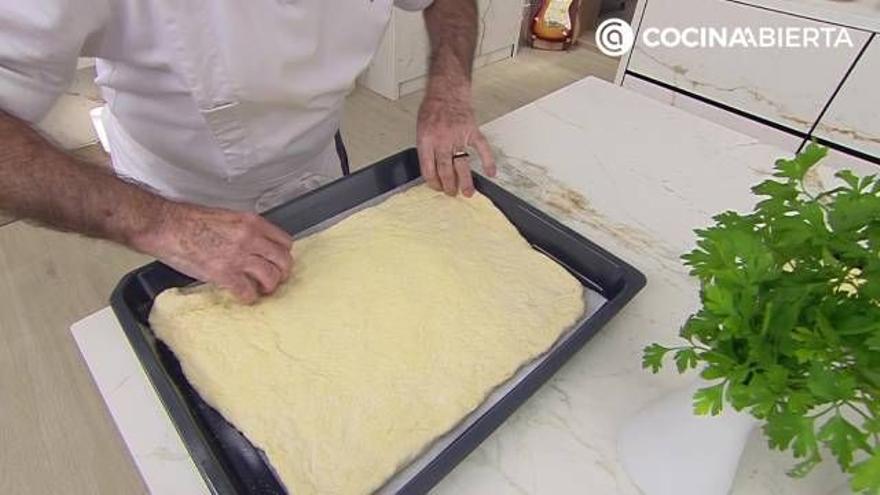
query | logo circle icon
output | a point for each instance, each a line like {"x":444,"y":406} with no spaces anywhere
{"x":615,"y":37}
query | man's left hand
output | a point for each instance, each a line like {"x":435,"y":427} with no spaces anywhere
{"x":446,"y":130}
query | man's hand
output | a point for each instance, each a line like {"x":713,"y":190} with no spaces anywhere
{"x":446,"y":127}
{"x":241,"y":252}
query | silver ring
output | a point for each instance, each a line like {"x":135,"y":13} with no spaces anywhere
{"x":460,"y":154}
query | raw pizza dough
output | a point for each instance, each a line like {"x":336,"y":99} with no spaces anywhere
{"x":396,"y":323}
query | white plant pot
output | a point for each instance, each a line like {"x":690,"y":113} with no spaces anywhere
{"x":667,"y":449}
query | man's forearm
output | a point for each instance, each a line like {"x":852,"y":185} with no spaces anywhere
{"x":241,"y":252}
{"x":42,"y":183}
{"x":452,"y":29}
{"x":447,"y":126}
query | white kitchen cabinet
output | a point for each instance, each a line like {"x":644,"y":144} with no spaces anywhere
{"x":401,"y":64}
{"x":786,"y":86}
{"x":862,"y":14}
{"x":853,"y":118}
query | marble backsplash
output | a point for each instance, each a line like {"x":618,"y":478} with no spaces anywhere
{"x":853,"y":119}
{"x":788,"y":86}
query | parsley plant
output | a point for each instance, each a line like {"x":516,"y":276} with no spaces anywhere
{"x":789,"y":328}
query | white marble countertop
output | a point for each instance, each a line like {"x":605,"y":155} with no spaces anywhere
{"x":629,"y":173}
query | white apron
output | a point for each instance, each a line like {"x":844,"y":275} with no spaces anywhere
{"x":222,"y":102}
{"x":235,"y":104}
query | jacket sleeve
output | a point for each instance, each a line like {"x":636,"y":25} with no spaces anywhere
{"x":40,"y":41}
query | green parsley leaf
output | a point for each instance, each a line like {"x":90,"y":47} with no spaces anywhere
{"x":653,"y":357}
{"x":866,"y":475}
{"x":829,"y":385}
{"x":850,"y":178}
{"x":709,"y":400}
{"x":797,"y":168}
{"x":843,"y":439}
{"x":686,"y":359}
{"x":789,"y":326}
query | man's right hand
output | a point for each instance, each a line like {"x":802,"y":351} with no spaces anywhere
{"x":241,"y":252}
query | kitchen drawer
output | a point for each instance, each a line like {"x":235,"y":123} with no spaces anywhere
{"x":788,"y":87}
{"x":853,"y":118}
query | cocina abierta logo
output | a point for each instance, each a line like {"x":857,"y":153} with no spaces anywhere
{"x":615,"y":37}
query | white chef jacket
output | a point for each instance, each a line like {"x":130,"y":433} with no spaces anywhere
{"x":221,"y":102}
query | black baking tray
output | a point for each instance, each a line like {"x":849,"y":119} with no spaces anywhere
{"x":226,"y":460}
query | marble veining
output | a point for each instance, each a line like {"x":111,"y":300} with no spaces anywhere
{"x":631,"y":174}
{"x":871,"y":7}
{"x":850,"y":134}
{"x":754,"y":95}
{"x":861,"y":14}
{"x":534,"y":183}
{"x":852,"y":119}
{"x":152,"y":440}
{"x":780,"y":84}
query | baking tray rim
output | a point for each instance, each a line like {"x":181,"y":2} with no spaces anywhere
{"x":211,"y":468}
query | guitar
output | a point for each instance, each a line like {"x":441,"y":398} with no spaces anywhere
{"x":554,"y":23}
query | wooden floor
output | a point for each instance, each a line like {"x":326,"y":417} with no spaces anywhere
{"x":498,"y":89}
{"x":55,"y":432}
{"x":5,"y":218}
